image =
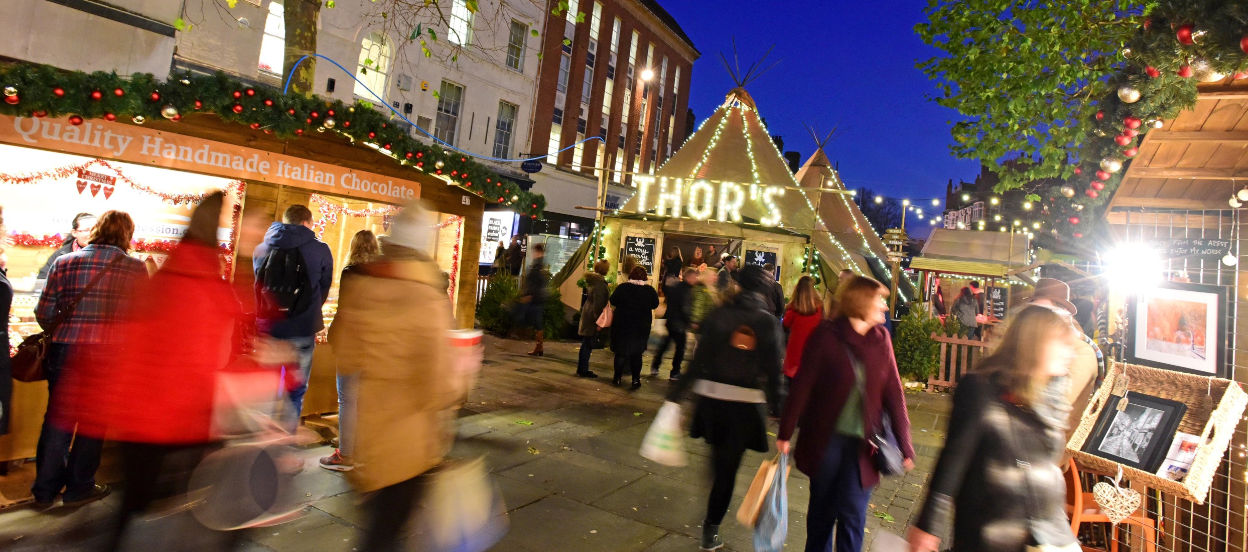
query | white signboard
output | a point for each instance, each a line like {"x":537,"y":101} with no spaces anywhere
{"x":496,"y":226}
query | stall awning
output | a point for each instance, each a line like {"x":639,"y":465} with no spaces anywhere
{"x":954,"y":266}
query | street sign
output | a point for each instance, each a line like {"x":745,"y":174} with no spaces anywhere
{"x":531,"y":166}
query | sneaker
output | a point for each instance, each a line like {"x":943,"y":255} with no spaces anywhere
{"x":589,"y":374}
{"x":97,"y":492}
{"x":337,"y":462}
{"x":710,"y":539}
{"x":675,"y":376}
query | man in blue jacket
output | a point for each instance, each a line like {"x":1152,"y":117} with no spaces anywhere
{"x":293,"y":273}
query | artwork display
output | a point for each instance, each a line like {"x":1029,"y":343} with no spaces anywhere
{"x":1139,"y":434}
{"x":1179,"y":326}
{"x":1180,"y":456}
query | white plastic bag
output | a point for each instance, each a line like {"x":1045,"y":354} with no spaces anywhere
{"x":664,"y":441}
{"x":462,"y":510}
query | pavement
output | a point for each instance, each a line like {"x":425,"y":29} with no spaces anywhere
{"x":562,"y":450}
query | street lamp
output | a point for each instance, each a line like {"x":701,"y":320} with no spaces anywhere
{"x":879,"y":200}
{"x":935,"y":203}
{"x":647,"y":74}
{"x":994,"y":200}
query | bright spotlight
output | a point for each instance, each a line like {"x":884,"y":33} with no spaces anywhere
{"x":647,"y":74}
{"x":879,"y":199}
{"x":966,"y":197}
{"x":935,"y":203}
{"x":1133,"y":267}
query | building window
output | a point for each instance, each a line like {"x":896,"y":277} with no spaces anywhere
{"x":557,"y":118}
{"x":515,"y":45}
{"x":273,"y":45}
{"x":374,"y":65}
{"x":565,"y":70}
{"x":587,"y":86}
{"x":450,"y":97}
{"x":552,"y":150}
{"x":503,"y":128}
{"x":460,"y":29}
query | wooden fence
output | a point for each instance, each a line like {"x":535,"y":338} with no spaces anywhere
{"x":957,"y":357}
{"x":482,"y":282}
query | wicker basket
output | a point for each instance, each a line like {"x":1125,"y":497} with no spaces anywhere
{"x":1214,"y":407}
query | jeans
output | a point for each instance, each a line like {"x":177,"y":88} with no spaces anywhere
{"x":58,"y":465}
{"x":630,"y":364}
{"x":587,"y":348}
{"x":678,"y":337}
{"x":346,"y":413}
{"x":837,"y":499}
{"x":303,"y":349}
{"x":725,"y":461}
{"x":389,"y":510}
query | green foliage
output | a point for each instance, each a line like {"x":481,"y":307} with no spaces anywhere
{"x":494,"y":308}
{"x":554,"y":316}
{"x":953,"y":326}
{"x":917,"y":353}
{"x":283,"y":115}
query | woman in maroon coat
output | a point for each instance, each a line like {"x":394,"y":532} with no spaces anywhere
{"x":832,"y":449}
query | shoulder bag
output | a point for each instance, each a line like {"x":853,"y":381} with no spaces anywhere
{"x":27,"y":362}
{"x":1028,"y":505}
{"x":885,"y":452}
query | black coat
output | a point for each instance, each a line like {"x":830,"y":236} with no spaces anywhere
{"x":6,"y":374}
{"x":998,"y":474}
{"x":634,"y":313}
{"x":67,"y":247}
{"x":515,"y":259}
{"x":679,"y":307}
{"x":717,"y":360}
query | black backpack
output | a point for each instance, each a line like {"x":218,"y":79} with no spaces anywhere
{"x":284,"y":281}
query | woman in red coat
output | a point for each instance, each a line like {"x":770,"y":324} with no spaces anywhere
{"x":801,"y":316}
{"x":848,"y":363}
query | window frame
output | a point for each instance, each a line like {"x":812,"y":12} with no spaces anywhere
{"x":452,"y":35}
{"x":266,"y":36}
{"x":520,"y":47}
{"x":381,"y":65}
{"x":442,"y":113}
{"x":510,"y":130}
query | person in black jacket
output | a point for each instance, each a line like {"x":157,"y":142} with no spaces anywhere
{"x":79,"y":234}
{"x":634,"y":302}
{"x":515,"y":256}
{"x":735,"y":374}
{"x":679,"y":315}
{"x":998,"y":475}
{"x":774,"y":296}
{"x":533,"y":294}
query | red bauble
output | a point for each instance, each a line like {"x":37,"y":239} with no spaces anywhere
{"x":155,"y":96}
{"x":308,"y":120}
{"x":534,"y":205}
{"x":500,"y":200}
{"x":75,"y":120}
{"x":1078,"y":235}
{"x":1073,"y":220}
{"x":439,"y":171}
{"x":346,"y":124}
{"x":454,"y":173}
{"x":387,"y":146}
{"x":1186,"y":71}
{"x":199,"y":104}
{"x":237,"y":108}
{"x":1132,"y":122}
{"x":1184,"y":34}
{"x":1239,"y":75}
{"x":468,"y":183}
{"x":1148,"y":23}
{"x":1131,"y":133}
{"x":329,"y":112}
{"x":463,"y":158}
{"x":58,"y":92}
{"x":1098,"y":185}
{"x":372,"y":134}
{"x":420,"y":154}
{"x":110,"y":117}
{"x":1078,"y":170}
{"x":119,"y":92}
{"x":1131,"y":152}
{"x":1103,"y":175}
{"x":1243,"y":44}
{"x":40,"y":114}
{"x":1152,"y":71}
{"x":1122,"y":139}
{"x":237,"y":94}
{"x":290,"y":111}
{"x":420,"y":164}
{"x":408,"y":155}
{"x":97,"y":95}
{"x":1091,"y":193}
{"x":314,"y":114}
{"x":534,"y":217}
{"x":268,"y":103}
{"x":251,"y":91}
{"x":254,"y":126}
{"x":177,"y":117}
{"x":12,"y":100}
{"x":1100,"y":115}
{"x":299,"y":131}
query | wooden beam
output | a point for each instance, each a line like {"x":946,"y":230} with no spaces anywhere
{"x":1186,"y":173}
{"x":1128,"y":202}
{"x":1198,"y":136}
{"x":1222,"y":95}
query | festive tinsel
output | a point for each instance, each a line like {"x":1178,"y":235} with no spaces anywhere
{"x":45,"y":91}
{"x":328,"y":212}
{"x":68,"y":171}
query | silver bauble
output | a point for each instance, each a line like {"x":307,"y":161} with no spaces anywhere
{"x":1128,"y":94}
{"x":1077,"y":206}
{"x":1067,"y":191}
{"x":139,"y":119}
{"x":1242,"y":194}
{"x":168,"y":112}
{"x":329,"y":122}
{"x":1127,"y":53}
{"x":1157,"y":123}
{"x":439,"y":164}
{"x":1111,"y":165}
{"x":10,"y":91}
{"x":1205,"y":73}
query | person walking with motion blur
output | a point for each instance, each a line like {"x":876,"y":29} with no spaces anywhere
{"x":735,"y":376}
{"x":364,"y":249}
{"x":965,"y":309}
{"x":81,"y":306}
{"x":596,"y":298}
{"x":998,"y":474}
{"x":391,"y":335}
{"x":533,"y":293}
{"x":801,"y":315}
{"x":679,"y":313}
{"x":634,"y":302}
{"x":846,"y":390}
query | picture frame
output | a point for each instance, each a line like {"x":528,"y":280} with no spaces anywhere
{"x":1138,"y":436}
{"x":1179,"y":326}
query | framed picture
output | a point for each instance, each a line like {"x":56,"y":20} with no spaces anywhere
{"x":1140,"y":434}
{"x":1179,"y":326}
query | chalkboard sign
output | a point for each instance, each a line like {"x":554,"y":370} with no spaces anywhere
{"x":760,"y":258}
{"x":996,"y":302}
{"x":641,"y":249}
{"x":1199,"y":248}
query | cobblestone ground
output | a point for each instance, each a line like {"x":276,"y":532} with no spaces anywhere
{"x":563,"y":451}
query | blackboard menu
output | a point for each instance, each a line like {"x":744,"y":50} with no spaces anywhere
{"x":996,"y":302}
{"x":641,"y":249}
{"x":1199,"y":248}
{"x":760,"y":258}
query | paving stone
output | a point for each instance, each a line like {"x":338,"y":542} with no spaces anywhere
{"x":316,"y":530}
{"x":574,"y":475}
{"x":556,"y":523}
{"x":661,"y":502}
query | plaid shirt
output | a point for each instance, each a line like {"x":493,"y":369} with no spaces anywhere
{"x":97,"y":314}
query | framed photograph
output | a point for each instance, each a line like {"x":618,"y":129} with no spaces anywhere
{"x":1179,"y":326}
{"x":1140,"y":434}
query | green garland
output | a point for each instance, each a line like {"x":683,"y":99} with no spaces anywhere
{"x":46,"y":91}
{"x":1154,"y":63}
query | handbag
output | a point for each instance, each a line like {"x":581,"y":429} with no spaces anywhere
{"x":752,"y":504}
{"x":663,"y":442}
{"x":604,"y":319}
{"x":27,"y":361}
{"x":886,"y":454}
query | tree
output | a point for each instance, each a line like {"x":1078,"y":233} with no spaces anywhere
{"x":300,"y":18}
{"x":882,"y":215}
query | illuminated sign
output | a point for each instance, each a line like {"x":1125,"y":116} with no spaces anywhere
{"x":705,"y":199}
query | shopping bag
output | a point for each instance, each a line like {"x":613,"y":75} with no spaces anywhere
{"x":752,"y":504}
{"x":604,"y":319}
{"x":247,"y":484}
{"x":462,"y":510}
{"x":772,"y":525}
{"x":664,"y":441}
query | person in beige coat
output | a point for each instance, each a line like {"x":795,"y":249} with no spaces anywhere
{"x":390,"y":333}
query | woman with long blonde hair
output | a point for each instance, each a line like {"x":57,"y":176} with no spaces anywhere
{"x":999,"y":468}
{"x":802,"y":314}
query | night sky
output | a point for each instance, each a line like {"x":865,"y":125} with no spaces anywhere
{"x":844,"y":64}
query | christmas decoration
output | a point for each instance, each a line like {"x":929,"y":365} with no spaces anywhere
{"x":139,"y":119}
{"x":1131,"y":152}
{"x":1091,"y":193}
{"x":1152,"y":72}
{"x":1157,"y":123}
{"x":1067,"y":191}
{"x":1186,"y":71}
{"x":1078,"y":171}
{"x":72,"y":170}
{"x":97,"y":95}
{"x":119,"y":92}
{"x":75,"y":120}
{"x":1204,"y":72}
{"x":1077,"y":207}
{"x":1132,"y":122}
{"x":1122,"y":139}
{"x":107,"y":116}
{"x":1073,"y":220}
{"x":1100,"y":115}
{"x":439,"y":164}
{"x":1243,"y":44}
{"x":168,"y":112}
{"x":329,"y":123}
{"x":1103,"y":175}
{"x":1234,"y":202}
{"x":1111,"y":165}
{"x":10,"y":91}
{"x":1097,"y":185}
{"x":12,"y":100}
{"x":1184,"y":35}
{"x":1078,"y":234}
{"x":1130,"y":132}
{"x":1128,"y":94}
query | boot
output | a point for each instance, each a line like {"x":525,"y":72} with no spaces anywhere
{"x":710,"y":538}
{"x":537,"y":348}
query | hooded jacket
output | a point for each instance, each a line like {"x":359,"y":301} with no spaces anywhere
{"x":320,"y":267}
{"x":595,"y":301}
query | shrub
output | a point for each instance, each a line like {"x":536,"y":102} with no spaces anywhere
{"x":494,"y":309}
{"x":554,"y":317}
{"x":917,"y":353}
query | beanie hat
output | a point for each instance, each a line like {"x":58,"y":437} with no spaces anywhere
{"x":414,"y":227}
